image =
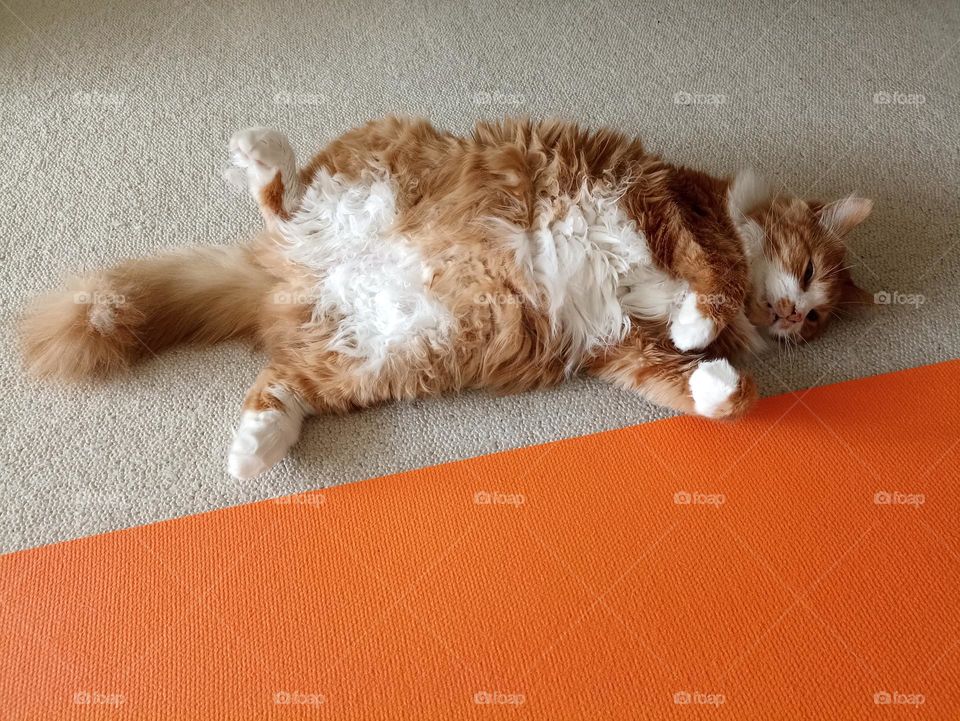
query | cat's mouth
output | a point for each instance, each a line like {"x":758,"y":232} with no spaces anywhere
{"x":785,"y":330}
{"x":764,"y":316}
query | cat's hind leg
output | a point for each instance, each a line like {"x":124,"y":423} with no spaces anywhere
{"x":273,"y":413}
{"x":266,"y":158}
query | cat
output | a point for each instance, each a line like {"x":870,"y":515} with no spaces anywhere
{"x":403,"y":261}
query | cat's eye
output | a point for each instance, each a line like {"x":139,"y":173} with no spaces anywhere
{"x":813,"y":316}
{"x":808,"y":273}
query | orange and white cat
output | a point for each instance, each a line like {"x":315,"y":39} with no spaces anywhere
{"x":403,"y":261}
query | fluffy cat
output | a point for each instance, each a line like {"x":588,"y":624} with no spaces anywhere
{"x":403,"y":261}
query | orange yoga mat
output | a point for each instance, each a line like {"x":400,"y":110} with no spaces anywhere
{"x":803,"y":563}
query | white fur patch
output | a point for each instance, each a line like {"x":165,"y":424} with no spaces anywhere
{"x":102,"y":318}
{"x":594,"y":269}
{"x":264,"y":437}
{"x":712,"y":384}
{"x":372,"y":280}
{"x":689,"y":328}
{"x":781,"y":284}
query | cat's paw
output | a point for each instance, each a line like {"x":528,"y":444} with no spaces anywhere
{"x":262,"y":152}
{"x":690,"y":329}
{"x":261,"y":441}
{"x":720,"y":391}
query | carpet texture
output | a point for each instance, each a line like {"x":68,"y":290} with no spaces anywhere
{"x":115,"y":118}
{"x":799,"y":565}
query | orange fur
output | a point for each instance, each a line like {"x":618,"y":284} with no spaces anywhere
{"x":271,"y":197}
{"x":102,"y":323}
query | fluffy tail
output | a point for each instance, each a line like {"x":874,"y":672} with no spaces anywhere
{"x":103,"y":322}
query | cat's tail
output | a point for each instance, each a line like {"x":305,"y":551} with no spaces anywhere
{"x":103,"y":322}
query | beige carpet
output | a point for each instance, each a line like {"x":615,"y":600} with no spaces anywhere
{"x":114,"y":121}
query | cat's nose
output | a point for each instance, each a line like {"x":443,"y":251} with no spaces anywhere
{"x":784,"y":308}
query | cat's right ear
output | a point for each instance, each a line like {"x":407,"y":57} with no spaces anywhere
{"x":748,"y":192}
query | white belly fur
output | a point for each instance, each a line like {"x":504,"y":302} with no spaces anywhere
{"x":592,"y":266}
{"x":368,"y":277}
{"x":595,"y":270}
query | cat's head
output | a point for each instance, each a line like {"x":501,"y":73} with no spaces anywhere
{"x":800,"y":273}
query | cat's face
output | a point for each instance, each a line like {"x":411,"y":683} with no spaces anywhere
{"x":799,"y":267}
{"x":802,"y":277}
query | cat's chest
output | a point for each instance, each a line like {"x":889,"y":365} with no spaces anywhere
{"x":596,"y":270}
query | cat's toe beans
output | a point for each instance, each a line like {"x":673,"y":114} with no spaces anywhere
{"x":261,"y":151}
{"x":714,"y":386}
{"x":240,"y":145}
{"x":689,"y":328}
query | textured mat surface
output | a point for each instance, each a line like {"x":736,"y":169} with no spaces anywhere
{"x":114,"y":119}
{"x":801,"y":564}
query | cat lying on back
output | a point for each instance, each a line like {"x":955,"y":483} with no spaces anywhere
{"x":403,"y":261}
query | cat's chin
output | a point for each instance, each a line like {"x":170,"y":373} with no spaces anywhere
{"x":783,"y":336}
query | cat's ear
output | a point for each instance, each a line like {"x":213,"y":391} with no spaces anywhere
{"x":842,"y":216}
{"x":748,"y":193}
{"x":853,"y":294}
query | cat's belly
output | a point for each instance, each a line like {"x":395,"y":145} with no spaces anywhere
{"x":590,"y":265}
{"x":372,"y":281}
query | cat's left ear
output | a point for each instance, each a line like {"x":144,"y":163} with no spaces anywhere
{"x":842,"y":216}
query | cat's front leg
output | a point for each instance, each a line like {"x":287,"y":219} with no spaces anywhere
{"x":265,"y":159}
{"x":713,"y":300}
{"x":692,"y":325}
{"x":693,"y":384}
{"x":716,"y":276}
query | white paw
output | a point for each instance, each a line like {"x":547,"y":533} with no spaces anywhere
{"x":689,"y":328}
{"x":263,"y":438}
{"x":712,"y":384}
{"x":262,"y":152}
